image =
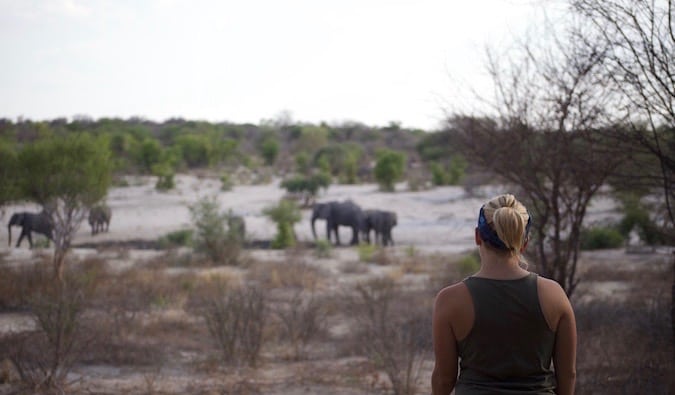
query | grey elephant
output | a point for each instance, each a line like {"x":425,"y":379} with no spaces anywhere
{"x":382,"y":222}
{"x":29,"y":223}
{"x":337,"y":214}
{"x":99,"y":218}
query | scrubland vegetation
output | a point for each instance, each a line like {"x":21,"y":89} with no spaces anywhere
{"x":574,"y":119}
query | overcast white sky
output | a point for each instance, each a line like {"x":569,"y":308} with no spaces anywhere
{"x":369,"y":61}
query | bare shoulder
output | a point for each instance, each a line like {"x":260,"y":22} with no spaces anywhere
{"x":549,"y":286}
{"x":553,"y":300}
{"x":452,"y":296}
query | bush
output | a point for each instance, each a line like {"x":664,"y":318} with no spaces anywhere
{"x":165,"y":175}
{"x":226,"y":183}
{"x":211,"y":236}
{"x":44,"y":358}
{"x":285,"y":215}
{"x":269,"y":150}
{"x":366,"y":252}
{"x":389,"y":168}
{"x":392,"y":331}
{"x":323,"y":248}
{"x":600,"y":238}
{"x":178,"y":238}
{"x":235,"y":319}
{"x":303,"y":318}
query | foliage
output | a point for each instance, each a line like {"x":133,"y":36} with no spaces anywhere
{"x":269,"y":149}
{"x":323,"y":248}
{"x":597,"y":238}
{"x":210,"y":236}
{"x":366,"y":252}
{"x":307,"y":186}
{"x":339,"y":160}
{"x":389,"y":168}
{"x":147,"y":153}
{"x":66,"y":175}
{"x":226,"y":183}
{"x":176,"y":238}
{"x":165,"y":175}
{"x":8,"y":170}
{"x":195,"y":149}
{"x":636,"y":217}
{"x":285,"y":214}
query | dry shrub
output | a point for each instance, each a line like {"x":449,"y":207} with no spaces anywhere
{"x":626,"y":347}
{"x":303,"y":318}
{"x":444,"y":271}
{"x":290,"y":274}
{"x":235,"y":318}
{"x":44,"y":357}
{"x":392,"y":330}
{"x":19,"y":284}
{"x":353,"y":267}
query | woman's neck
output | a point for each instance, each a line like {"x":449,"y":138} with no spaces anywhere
{"x":499,"y":266}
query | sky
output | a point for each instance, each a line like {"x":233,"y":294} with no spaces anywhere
{"x":247,"y":61}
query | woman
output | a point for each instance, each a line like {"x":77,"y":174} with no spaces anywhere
{"x":504,"y":324}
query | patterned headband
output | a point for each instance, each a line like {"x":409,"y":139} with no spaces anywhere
{"x":489,"y":235}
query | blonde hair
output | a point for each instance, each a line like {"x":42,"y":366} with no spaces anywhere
{"x":508,"y":218}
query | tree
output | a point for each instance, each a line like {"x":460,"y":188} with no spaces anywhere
{"x":389,"y":168}
{"x":66,"y":176}
{"x":639,"y":37}
{"x":308,"y":186}
{"x":543,"y":141}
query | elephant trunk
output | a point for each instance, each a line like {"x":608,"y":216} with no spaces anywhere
{"x":9,"y":230}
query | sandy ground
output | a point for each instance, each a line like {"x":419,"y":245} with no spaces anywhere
{"x":437,"y":220}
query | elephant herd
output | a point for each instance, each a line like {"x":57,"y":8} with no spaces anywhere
{"x":362,"y":222}
{"x":336,"y":214}
{"x":99,"y":220}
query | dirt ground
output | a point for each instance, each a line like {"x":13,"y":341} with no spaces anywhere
{"x":438,"y":222}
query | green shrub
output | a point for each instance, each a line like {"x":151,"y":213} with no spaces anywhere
{"x":366,"y":252}
{"x":211,"y":237}
{"x":389,"y":168}
{"x":165,"y":175}
{"x":226,"y":183}
{"x":323,"y":248}
{"x":176,"y":238}
{"x":269,"y":149}
{"x":600,"y":238}
{"x":636,"y":216}
{"x":284,"y":214}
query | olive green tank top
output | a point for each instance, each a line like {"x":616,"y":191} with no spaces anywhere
{"x":510,"y":346}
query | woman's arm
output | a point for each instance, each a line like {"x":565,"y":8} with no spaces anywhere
{"x":565,"y":353}
{"x":444,"y":375}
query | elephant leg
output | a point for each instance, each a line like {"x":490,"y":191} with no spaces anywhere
{"x":336,"y":229}
{"x":355,"y":236}
{"x":24,"y":233}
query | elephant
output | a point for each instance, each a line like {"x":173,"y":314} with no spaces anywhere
{"x":30,"y":222}
{"x":382,"y":222}
{"x":99,"y":218}
{"x":337,"y":214}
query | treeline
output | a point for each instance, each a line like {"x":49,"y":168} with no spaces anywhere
{"x":347,"y":152}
